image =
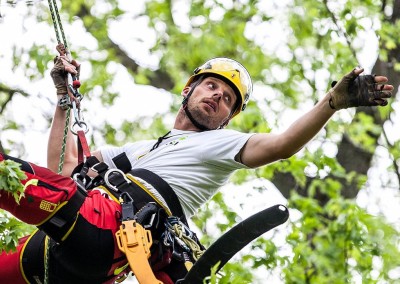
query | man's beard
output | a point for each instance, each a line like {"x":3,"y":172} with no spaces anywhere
{"x":200,"y":119}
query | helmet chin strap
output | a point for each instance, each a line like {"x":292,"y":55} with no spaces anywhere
{"x":186,"y":109}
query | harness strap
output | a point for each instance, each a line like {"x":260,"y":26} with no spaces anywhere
{"x":25,"y":166}
{"x":59,"y":225}
{"x":80,"y":173}
{"x":164,"y":189}
{"x":83,"y":147}
{"x":122,"y":162}
{"x":32,"y":258}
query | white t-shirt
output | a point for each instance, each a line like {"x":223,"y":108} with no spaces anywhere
{"x":195,"y":164}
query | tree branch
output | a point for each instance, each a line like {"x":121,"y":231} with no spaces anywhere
{"x":341,"y":32}
{"x":396,"y":167}
{"x":9,"y":92}
{"x":156,"y":78}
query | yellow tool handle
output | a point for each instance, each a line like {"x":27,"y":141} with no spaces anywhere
{"x":135,"y":242}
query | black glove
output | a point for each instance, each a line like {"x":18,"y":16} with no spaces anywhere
{"x":58,"y":74}
{"x":62,"y":66}
{"x":357,"y":90}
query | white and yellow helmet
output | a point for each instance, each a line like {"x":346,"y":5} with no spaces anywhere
{"x":233,"y":73}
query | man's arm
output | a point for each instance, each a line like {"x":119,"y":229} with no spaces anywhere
{"x":55,"y":144}
{"x":262,"y":149}
{"x":265,"y":148}
{"x":56,"y":138}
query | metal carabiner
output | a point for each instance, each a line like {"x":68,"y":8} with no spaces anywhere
{"x":81,"y":182}
{"x":80,"y":124}
{"x":78,"y":121}
{"x":107,"y":181}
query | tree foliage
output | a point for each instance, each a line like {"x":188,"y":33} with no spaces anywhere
{"x":293,"y":50}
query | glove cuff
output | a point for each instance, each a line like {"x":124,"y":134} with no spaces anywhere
{"x":331,"y":101}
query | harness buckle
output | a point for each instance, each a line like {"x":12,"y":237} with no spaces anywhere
{"x":128,"y":210}
{"x":99,"y":167}
{"x":147,"y":214}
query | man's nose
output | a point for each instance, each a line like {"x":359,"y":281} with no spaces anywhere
{"x":217,"y":95}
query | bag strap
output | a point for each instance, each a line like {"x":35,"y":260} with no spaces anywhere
{"x":59,"y":225}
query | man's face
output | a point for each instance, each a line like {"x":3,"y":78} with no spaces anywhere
{"x":212,"y":102}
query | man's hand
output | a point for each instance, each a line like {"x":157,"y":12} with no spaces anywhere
{"x":359,"y":90}
{"x":61,"y":68}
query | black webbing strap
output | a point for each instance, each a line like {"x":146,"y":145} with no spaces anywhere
{"x":60,"y":223}
{"x":32,"y":259}
{"x":122,"y":162}
{"x":80,"y":173}
{"x":25,"y":166}
{"x":164,"y":189}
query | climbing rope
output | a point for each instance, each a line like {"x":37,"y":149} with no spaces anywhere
{"x":64,"y":143}
{"x":57,"y":24}
{"x":72,"y":85}
{"x":179,"y":232}
{"x":55,"y":16}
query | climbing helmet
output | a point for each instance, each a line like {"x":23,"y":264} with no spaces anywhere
{"x":230,"y":71}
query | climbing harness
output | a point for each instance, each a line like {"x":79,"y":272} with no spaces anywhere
{"x":144,"y":216}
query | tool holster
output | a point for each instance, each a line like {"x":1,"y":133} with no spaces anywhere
{"x":135,"y":242}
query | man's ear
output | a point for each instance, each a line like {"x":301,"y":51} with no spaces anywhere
{"x":185,"y":91}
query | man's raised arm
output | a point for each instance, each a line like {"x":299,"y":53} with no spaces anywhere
{"x":57,"y":148}
{"x":351,"y":91}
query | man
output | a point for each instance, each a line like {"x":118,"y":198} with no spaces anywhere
{"x":194,"y":159}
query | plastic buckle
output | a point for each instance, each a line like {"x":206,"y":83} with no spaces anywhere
{"x":128,"y":210}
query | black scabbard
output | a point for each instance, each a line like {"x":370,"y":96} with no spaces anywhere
{"x":223,"y":249}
